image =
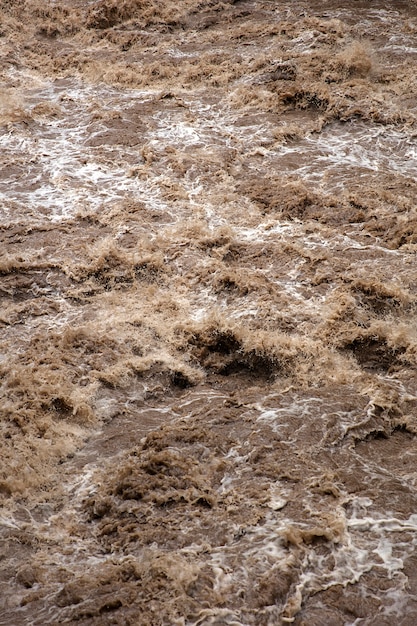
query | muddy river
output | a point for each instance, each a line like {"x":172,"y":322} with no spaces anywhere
{"x":208,"y":339}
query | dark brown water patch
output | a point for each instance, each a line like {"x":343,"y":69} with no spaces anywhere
{"x":61,"y":407}
{"x":223,"y":353}
{"x":301,"y":99}
{"x":251,"y":364}
{"x":181,"y":380}
{"x":23,"y":284}
{"x":373,"y":354}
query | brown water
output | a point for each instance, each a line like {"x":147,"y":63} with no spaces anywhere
{"x":208,"y":338}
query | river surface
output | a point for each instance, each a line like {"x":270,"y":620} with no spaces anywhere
{"x":208,"y":339}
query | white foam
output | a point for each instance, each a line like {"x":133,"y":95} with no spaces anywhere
{"x":342,"y":152}
{"x":389,"y":524}
{"x":64,"y":174}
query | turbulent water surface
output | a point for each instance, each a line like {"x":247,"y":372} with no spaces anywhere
{"x":208,"y":343}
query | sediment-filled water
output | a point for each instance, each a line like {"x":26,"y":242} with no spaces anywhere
{"x":208,"y":334}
